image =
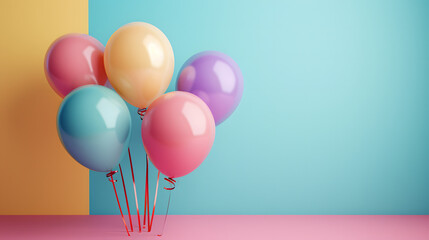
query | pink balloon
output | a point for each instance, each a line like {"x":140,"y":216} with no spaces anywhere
{"x":178,"y":131}
{"x":74,"y":60}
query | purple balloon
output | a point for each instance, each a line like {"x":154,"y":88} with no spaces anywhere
{"x":216,"y":79}
{"x":108,"y":85}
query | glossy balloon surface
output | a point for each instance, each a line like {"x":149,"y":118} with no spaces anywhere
{"x":74,"y":60}
{"x":94,"y":125}
{"x":216,"y":79}
{"x":178,"y":131}
{"x":139,"y":62}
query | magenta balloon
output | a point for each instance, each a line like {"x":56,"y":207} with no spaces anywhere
{"x":178,"y":131}
{"x":74,"y":60}
{"x":216,"y":79}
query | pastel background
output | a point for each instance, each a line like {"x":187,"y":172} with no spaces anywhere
{"x":333,"y":120}
{"x":335,"y":110}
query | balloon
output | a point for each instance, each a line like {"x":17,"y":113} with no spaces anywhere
{"x":74,"y":60}
{"x":94,"y":125}
{"x":216,"y":79}
{"x":178,"y":131}
{"x":139,"y":62}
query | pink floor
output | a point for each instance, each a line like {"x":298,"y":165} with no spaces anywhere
{"x":192,"y":227}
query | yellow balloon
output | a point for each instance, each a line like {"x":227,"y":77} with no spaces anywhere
{"x":139,"y":63}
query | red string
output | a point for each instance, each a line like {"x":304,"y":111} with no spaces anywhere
{"x":147,"y":189}
{"x":146,"y":197}
{"x":141,"y":112}
{"x":135,"y":191}
{"x":154,"y":203}
{"x":144,"y":209}
{"x":173,"y":183}
{"x":126,"y":198}
{"x":110,"y":174}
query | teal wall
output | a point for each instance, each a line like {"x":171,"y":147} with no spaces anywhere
{"x":335,"y":111}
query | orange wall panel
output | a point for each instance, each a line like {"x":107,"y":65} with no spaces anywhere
{"x":38,"y":176}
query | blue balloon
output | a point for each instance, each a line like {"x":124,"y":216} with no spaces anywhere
{"x":94,"y":125}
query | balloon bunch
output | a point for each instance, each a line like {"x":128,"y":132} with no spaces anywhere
{"x":178,"y":128}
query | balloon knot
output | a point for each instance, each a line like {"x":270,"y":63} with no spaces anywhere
{"x":141,"y":112}
{"x":172,"y":182}
{"x":110,"y":175}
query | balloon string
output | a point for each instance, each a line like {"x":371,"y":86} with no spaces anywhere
{"x":110,"y":174}
{"x":146,"y":199}
{"x":172,"y":182}
{"x":173,"y":185}
{"x":147,"y":191}
{"x":126,"y":198}
{"x":135,"y":191}
{"x":154,"y":203}
{"x":141,"y":112}
{"x":144,"y":209}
